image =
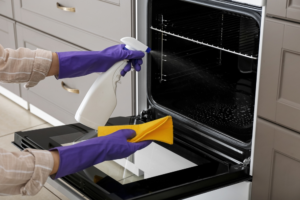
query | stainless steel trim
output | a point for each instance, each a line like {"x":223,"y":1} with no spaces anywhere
{"x":221,"y":154}
{"x":133,"y":93}
{"x":65,"y":189}
{"x":263,"y":18}
{"x":238,"y":4}
{"x":205,"y":44}
{"x":142,"y":35}
{"x":221,"y":143}
{"x":133,"y":74}
{"x":133,"y":19}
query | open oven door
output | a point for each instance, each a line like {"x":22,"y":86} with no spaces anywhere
{"x":200,"y":171}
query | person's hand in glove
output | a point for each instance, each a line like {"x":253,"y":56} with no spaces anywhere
{"x":80,"y":156}
{"x":81,"y":63}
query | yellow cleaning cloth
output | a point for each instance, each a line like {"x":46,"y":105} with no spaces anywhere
{"x":159,"y":130}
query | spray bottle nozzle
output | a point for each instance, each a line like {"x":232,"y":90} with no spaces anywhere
{"x":133,"y":44}
{"x":147,"y":51}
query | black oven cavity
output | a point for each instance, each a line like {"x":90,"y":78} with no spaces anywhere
{"x":203,"y":64}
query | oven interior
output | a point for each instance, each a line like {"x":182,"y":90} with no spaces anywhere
{"x":203,"y":65}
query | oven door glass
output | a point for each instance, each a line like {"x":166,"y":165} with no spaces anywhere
{"x":157,"y":171}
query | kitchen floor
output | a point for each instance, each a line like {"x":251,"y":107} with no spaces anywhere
{"x":14,"y":118}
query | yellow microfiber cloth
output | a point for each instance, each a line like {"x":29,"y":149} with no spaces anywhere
{"x":159,"y":130}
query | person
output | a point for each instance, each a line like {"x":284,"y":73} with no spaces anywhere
{"x":26,"y":172}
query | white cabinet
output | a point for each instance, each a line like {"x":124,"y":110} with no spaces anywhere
{"x":287,"y":9}
{"x":7,"y":40}
{"x":92,"y":24}
{"x":75,"y":25}
{"x":276,"y":162}
{"x":278,"y":101}
{"x":6,"y":8}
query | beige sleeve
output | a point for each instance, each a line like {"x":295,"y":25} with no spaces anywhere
{"x":24,"y":65}
{"x":24,"y":172}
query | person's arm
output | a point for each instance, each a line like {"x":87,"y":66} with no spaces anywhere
{"x":54,"y":69}
{"x":31,"y":66}
{"x":25,"y":172}
{"x":56,"y":161}
{"x":24,"y":65}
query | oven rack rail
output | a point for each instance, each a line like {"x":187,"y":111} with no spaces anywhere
{"x":205,"y":44}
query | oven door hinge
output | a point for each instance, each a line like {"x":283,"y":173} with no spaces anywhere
{"x":145,"y":114}
{"x":247,"y":162}
{"x":243,"y":166}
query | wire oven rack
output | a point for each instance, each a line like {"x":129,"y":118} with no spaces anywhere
{"x":205,"y":44}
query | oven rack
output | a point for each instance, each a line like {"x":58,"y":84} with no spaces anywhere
{"x":205,"y":44}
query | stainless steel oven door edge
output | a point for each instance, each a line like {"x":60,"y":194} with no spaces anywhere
{"x":262,"y":26}
{"x":142,"y":35}
{"x":133,"y":73}
{"x":66,"y":190}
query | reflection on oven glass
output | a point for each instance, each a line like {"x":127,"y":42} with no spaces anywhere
{"x":118,"y":173}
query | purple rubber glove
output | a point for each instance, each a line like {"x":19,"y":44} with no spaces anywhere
{"x":80,"y":156}
{"x":135,"y":63}
{"x":81,"y":63}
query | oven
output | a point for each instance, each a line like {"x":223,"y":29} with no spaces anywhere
{"x":203,"y":71}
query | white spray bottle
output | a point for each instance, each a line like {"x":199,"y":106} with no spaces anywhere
{"x":101,"y":100}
